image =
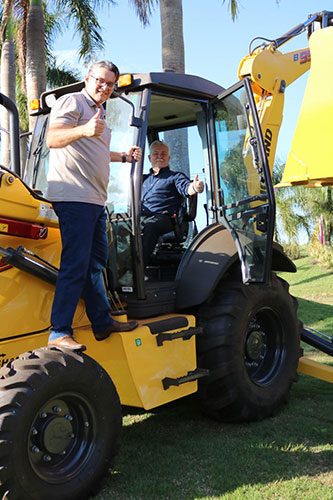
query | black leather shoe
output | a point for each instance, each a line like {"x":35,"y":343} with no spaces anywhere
{"x":117,"y":326}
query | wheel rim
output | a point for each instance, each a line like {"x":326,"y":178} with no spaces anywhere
{"x":62,"y":437}
{"x":264,"y":347}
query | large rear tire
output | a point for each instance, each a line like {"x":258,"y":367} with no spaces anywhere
{"x":60,"y":424}
{"x":251,"y":346}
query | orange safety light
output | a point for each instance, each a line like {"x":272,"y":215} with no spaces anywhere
{"x":125,"y":80}
{"x":34,"y":104}
{"x":4,"y":266}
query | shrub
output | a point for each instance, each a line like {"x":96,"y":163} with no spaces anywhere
{"x":293,"y":251}
{"x":323,"y":253}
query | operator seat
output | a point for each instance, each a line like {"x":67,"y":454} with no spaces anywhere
{"x":186,"y":214}
{"x":182,"y":227}
{"x":170,"y":247}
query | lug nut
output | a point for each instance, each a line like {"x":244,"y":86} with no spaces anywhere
{"x":57,"y":409}
{"x":47,"y":458}
{"x":35,"y":449}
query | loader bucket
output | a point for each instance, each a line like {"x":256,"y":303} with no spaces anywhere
{"x":310,"y":160}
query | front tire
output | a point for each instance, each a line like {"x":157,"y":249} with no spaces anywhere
{"x":251,"y":346}
{"x":60,"y":424}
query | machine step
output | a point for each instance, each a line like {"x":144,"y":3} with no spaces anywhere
{"x":184,"y":334}
{"x":190,"y":377}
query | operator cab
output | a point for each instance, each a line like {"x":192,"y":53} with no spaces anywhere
{"x":211,"y":132}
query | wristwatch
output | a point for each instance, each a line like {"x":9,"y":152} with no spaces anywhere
{"x":123,"y":157}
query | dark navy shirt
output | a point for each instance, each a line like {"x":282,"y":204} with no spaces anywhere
{"x":163,"y":192}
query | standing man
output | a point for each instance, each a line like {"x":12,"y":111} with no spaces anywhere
{"x":79,"y":142}
{"x":163,"y":191}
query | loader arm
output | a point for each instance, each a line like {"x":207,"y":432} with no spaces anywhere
{"x":309,"y":161}
{"x":271,"y":71}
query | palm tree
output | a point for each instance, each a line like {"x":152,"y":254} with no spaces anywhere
{"x":318,"y":202}
{"x":301,"y":208}
{"x":35,"y":67}
{"x":31,"y":39}
{"x":82,"y":13}
{"x":8,"y":70}
{"x":173,"y":58}
{"x":35,"y":62}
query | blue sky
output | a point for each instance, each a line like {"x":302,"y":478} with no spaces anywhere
{"x":214,"y":44}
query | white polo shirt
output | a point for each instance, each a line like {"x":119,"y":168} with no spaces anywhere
{"x":79,"y":171}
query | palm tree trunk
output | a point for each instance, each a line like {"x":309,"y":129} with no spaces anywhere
{"x":173,"y":59}
{"x":8,"y":73}
{"x":23,"y":152}
{"x":35,"y":55}
{"x":173,"y":52}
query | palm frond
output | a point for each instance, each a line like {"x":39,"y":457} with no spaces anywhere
{"x":144,"y":9}
{"x":52,"y":29}
{"x":233,"y":6}
{"x":6,"y":9}
{"x":59,"y":76}
{"x":82,"y":13}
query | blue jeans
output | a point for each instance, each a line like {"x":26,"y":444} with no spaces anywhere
{"x":154,"y":226}
{"x":83,"y":258}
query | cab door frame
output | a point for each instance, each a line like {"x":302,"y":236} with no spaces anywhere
{"x":260,"y":207}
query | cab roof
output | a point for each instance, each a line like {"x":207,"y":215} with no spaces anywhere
{"x":167,"y":82}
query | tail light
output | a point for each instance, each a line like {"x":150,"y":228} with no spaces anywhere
{"x":24,"y":229}
{"x":3,"y":265}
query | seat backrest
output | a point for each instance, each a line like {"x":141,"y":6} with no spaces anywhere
{"x":187,"y":213}
{"x":190,"y":207}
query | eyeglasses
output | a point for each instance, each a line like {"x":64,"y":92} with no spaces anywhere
{"x":103,"y":83}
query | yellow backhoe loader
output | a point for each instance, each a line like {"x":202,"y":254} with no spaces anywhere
{"x":214,"y":318}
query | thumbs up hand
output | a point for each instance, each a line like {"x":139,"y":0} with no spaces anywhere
{"x":197,"y":186}
{"x":95,"y":126}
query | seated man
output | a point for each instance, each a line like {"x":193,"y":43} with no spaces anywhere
{"x":162,"y":193}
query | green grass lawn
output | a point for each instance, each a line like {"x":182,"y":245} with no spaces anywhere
{"x":175,"y":453}
{"x":313,"y":287}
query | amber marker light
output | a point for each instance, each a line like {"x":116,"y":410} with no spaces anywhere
{"x":125,"y":80}
{"x":34,"y":104}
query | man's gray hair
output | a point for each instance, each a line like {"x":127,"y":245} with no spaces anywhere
{"x":159,"y":143}
{"x":104,"y":64}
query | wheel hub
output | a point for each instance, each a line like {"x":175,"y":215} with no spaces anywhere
{"x":61,"y":438}
{"x":255,"y":345}
{"x":57,"y":434}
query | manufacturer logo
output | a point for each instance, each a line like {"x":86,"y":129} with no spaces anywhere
{"x":4,"y":359}
{"x":268,"y":141}
{"x":303,"y":57}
